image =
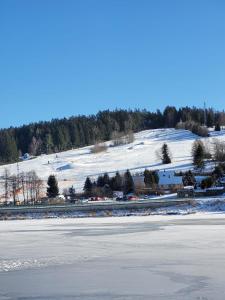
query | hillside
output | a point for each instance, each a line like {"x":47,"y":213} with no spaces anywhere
{"x":72,"y":167}
{"x":60,"y":135}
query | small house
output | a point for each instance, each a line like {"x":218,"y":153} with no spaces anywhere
{"x":168,"y":180}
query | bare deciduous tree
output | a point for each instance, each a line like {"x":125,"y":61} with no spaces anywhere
{"x":29,"y":185}
{"x":219,"y":150}
{"x":122,"y":138}
{"x":6,"y":184}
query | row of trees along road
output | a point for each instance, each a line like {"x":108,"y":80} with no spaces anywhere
{"x":104,"y":186}
{"x":27,"y":187}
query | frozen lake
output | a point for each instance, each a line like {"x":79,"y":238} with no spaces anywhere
{"x":148,"y":257}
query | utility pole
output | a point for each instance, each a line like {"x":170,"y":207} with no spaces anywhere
{"x":18,"y":173}
{"x":17,"y":181}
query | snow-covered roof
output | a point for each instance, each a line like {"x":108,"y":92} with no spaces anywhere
{"x":189,"y":187}
{"x":169,"y":178}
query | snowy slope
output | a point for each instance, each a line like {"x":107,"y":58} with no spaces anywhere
{"x":72,"y":167}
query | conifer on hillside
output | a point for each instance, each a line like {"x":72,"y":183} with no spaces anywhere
{"x":88,"y":186}
{"x":52,"y":189}
{"x":165,"y":154}
{"x":128,"y":183}
{"x":198,"y":154}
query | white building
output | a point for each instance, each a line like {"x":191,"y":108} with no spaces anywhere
{"x":169,"y":181}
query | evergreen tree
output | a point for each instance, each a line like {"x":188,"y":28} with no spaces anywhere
{"x":52,"y":189}
{"x":165,"y":154}
{"x":217,"y":127}
{"x":151,"y":178}
{"x":112,"y":183}
{"x":106,"y":179}
{"x":8,"y":148}
{"x":128,"y":182}
{"x":118,"y":182}
{"x":107,"y":191}
{"x":48,"y":145}
{"x":100,"y":181}
{"x":207,"y":183}
{"x":189,"y":179}
{"x":170,"y":116}
{"x":72,"y":193}
{"x":74,"y":134}
{"x":88,"y":186}
{"x":218,"y":172}
{"x":198,"y":154}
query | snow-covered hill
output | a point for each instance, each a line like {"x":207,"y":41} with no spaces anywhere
{"x":72,"y":167}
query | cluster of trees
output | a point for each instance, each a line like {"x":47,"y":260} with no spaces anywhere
{"x":210,"y":180}
{"x":63,"y":134}
{"x":188,"y":178}
{"x":151,"y":178}
{"x":118,"y":139}
{"x":105,"y":185}
{"x":202,"y":151}
{"x":122,"y":138}
{"x":26,"y":186}
{"x":194,"y":127}
{"x":213,"y":178}
{"x":217,"y":127}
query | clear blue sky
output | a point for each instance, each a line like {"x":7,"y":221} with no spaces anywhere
{"x":69,"y":57}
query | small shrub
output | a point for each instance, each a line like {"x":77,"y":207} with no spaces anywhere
{"x":101,"y":147}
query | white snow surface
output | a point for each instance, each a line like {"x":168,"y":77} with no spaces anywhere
{"x":72,"y":167}
{"x":129,"y":258}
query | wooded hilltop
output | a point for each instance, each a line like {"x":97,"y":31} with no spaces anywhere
{"x":78,"y":131}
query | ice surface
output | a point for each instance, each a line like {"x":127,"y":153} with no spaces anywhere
{"x":150,"y":257}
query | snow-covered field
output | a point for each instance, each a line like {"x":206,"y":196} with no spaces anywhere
{"x":148,"y":257}
{"x":72,"y":167}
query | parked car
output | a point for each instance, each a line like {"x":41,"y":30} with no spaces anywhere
{"x":131,"y":198}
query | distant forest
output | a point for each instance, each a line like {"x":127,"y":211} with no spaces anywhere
{"x":63,"y":134}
